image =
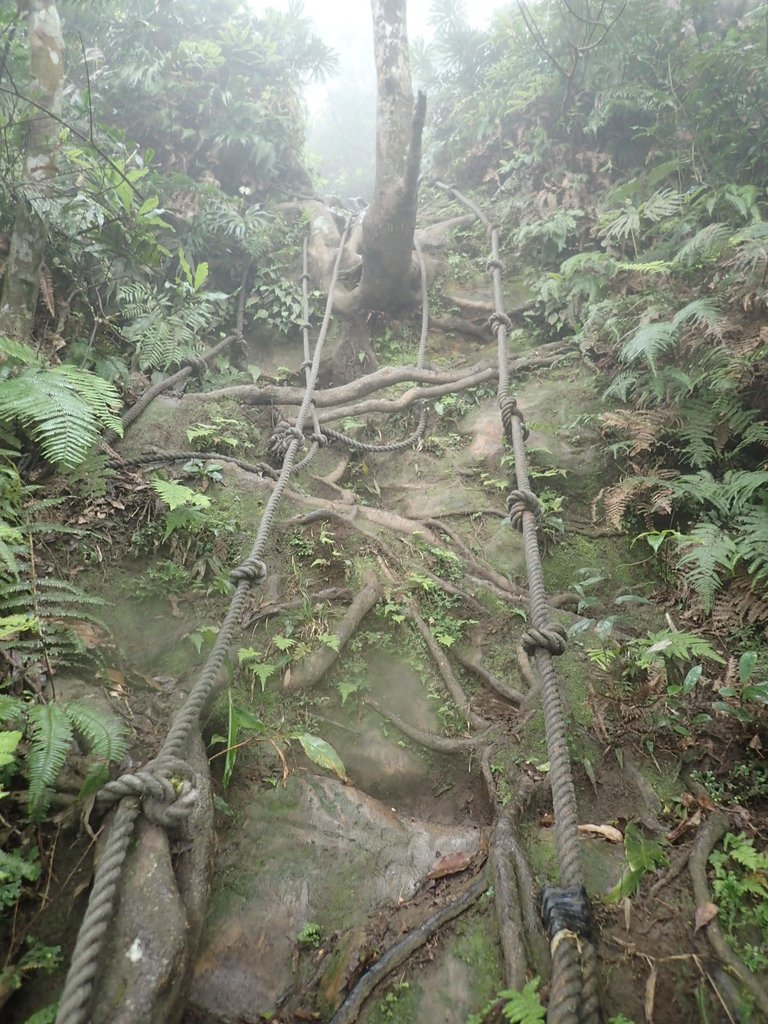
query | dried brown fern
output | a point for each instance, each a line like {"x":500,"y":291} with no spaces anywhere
{"x":645,"y":427}
{"x":740,"y":606}
{"x":46,"y":290}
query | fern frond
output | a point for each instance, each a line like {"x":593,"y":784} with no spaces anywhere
{"x":752,"y":527}
{"x":740,"y":486}
{"x":708,"y":241}
{"x":663,"y":203}
{"x":648,"y":342}
{"x":106,"y":736}
{"x":706,"y":551}
{"x":50,"y":738}
{"x":62,"y":408}
{"x":703,"y":312}
{"x":11,"y":708}
{"x":645,"y":427}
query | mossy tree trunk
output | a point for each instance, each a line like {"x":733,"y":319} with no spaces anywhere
{"x":21,"y":282}
{"x":389,"y":278}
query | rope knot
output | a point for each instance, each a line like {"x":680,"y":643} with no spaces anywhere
{"x":304,"y":277}
{"x":552,"y":638}
{"x":320,"y":439}
{"x":167,"y":787}
{"x":280,"y":442}
{"x":196,"y":364}
{"x":509,"y":412}
{"x":520,"y":502}
{"x":494,"y":264}
{"x":252,"y":570}
{"x":499,"y":320}
{"x":304,"y":325}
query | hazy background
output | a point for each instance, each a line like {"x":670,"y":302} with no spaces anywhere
{"x":341,"y":132}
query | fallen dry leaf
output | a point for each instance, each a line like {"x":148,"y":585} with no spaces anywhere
{"x":451,"y":864}
{"x":604,"y":831}
{"x":650,"y":995}
{"x":704,"y":914}
{"x":684,"y":826}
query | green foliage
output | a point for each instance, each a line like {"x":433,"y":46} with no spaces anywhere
{"x":310,"y":935}
{"x":61,"y":408}
{"x":643,"y":855}
{"x":15,"y":870}
{"x":37,"y":957}
{"x":740,"y":889}
{"x":523,"y":1007}
{"x":165,"y":326}
{"x":671,"y":646}
{"x":49,"y":733}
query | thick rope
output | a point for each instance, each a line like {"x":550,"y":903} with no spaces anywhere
{"x":574,"y":992}
{"x":164,"y":777}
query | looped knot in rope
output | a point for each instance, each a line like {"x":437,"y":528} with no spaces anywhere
{"x":566,"y":913}
{"x":493,"y":264}
{"x":497,"y":320}
{"x":196,"y":363}
{"x":304,"y":325}
{"x":305,"y":365}
{"x":280,"y":442}
{"x":304,"y":277}
{"x":510,"y":411}
{"x":320,"y":439}
{"x":252,"y":570}
{"x":167,"y":785}
{"x":552,"y":638}
{"x":520,"y":502}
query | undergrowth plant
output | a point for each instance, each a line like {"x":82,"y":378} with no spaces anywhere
{"x":49,"y":732}
{"x":740,"y":889}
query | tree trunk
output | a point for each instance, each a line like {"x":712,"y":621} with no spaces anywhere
{"x":390,"y":280}
{"x":21,"y":283}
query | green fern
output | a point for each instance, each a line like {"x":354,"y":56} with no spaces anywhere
{"x":107,"y":740}
{"x":62,"y":408}
{"x":708,"y":242}
{"x":701,"y":312}
{"x":706,"y":552}
{"x":649,"y":342}
{"x":673,"y":645}
{"x":752,"y":528}
{"x":49,"y":737}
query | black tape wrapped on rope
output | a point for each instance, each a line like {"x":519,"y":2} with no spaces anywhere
{"x":566,"y":910}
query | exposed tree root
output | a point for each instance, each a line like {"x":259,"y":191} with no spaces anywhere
{"x":459,"y":325}
{"x":474,"y":665}
{"x":528,"y":672}
{"x":454,"y":591}
{"x":276,"y":394}
{"x":564,"y":600}
{"x":310,"y":670}
{"x":349,"y":1010}
{"x":480,"y":567}
{"x":446,"y":672}
{"x":269,"y":609}
{"x":709,"y":835}
{"x":522,"y":937}
{"x":337,"y":474}
{"x":503,"y":595}
{"x":393,"y":405}
{"x":440,"y":744}
{"x":347,"y":514}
